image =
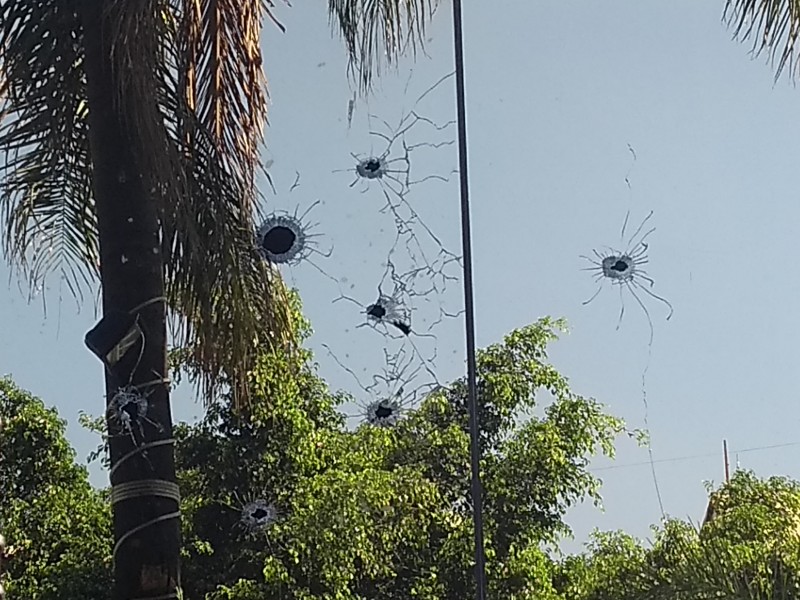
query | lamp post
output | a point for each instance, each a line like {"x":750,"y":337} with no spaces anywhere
{"x":469,"y":306}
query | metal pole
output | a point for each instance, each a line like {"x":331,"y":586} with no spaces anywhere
{"x":2,"y":558}
{"x":469,"y":306}
{"x":727,"y":467}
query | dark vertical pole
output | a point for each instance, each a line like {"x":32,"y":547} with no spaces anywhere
{"x":2,"y":558}
{"x":469,"y":305}
{"x":144,"y":491}
{"x":727,"y":466}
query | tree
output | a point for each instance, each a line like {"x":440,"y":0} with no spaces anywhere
{"x":56,"y":526}
{"x":748,"y":550}
{"x":384,"y":513}
{"x":132,"y":132}
{"x":281,"y":500}
{"x":610,"y":569}
{"x":750,"y":547}
{"x":367,"y":513}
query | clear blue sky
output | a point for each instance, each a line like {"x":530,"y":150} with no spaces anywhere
{"x":556,"y":92}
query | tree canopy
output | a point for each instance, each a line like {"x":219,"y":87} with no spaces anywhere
{"x":747,"y":549}
{"x":283,"y":500}
{"x":384,"y":512}
{"x":56,"y":525}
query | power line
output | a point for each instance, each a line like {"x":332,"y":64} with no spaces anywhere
{"x":693,"y":457}
{"x":769,"y":447}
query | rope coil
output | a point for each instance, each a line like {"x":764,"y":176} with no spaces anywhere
{"x":147,"y":303}
{"x":145,"y":487}
{"x":139,"y":489}
{"x":138,"y":450}
{"x":176,"y":594}
{"x":138,"y":528}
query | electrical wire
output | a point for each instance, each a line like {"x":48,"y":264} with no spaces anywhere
{"x":691,"y":457}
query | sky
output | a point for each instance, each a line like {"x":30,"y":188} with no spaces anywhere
{"x":566,"y":100}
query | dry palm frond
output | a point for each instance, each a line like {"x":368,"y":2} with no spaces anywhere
{"x":225,"y":84}
{"x":774,"y":26}
{"x":46,"y":195}
{"x":200,"y":141}
{"x":376,"y":29}
{"x":196,"y":145}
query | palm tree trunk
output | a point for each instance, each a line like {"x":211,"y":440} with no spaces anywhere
{"x":146,"y":517}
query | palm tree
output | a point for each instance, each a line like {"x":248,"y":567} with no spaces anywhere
{"x":132,"y":131}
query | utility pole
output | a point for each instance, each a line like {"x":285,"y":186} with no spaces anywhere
{"x":725,"y":458}
{"x":2,"y":558}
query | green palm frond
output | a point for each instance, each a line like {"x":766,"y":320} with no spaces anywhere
{"x":241,"y":304}
{"x":379,"y":30}
{"x":46,"y":197}
{"x":235,"y":302}
{"x":773,"y":25}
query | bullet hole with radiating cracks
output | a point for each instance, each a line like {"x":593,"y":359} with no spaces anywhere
{"x":285,"y":238}
{"x":383,"y":412}
{"x":626,"y":269}
{"x":372,"y":167}
{"x":128,"y":410}
{"x":389,"y":311}
{"x":392,"y":313}
{"x":390,"y":169}
{"x":391,"y":316}
{"x":395,"y":388}
{"x":391,"y":166}
{"x":257,"y":515}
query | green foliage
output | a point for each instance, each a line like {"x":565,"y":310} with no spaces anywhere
{"x":34,"y":448}
{"x":610,"y":570}
{"x":58,"y":527}
{"x":364,"y":514}
{"x":384,"y":513}
{"x":752,"y":511}
{"x":749,"y":549}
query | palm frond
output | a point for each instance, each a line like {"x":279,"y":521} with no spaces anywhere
{"x":233,"y":302}
{"x":198,"y":144}
{"x":225,"y":82}
{"x":773,"y":25}
{"x":45,"y":193}
{"x":378,"y":31}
